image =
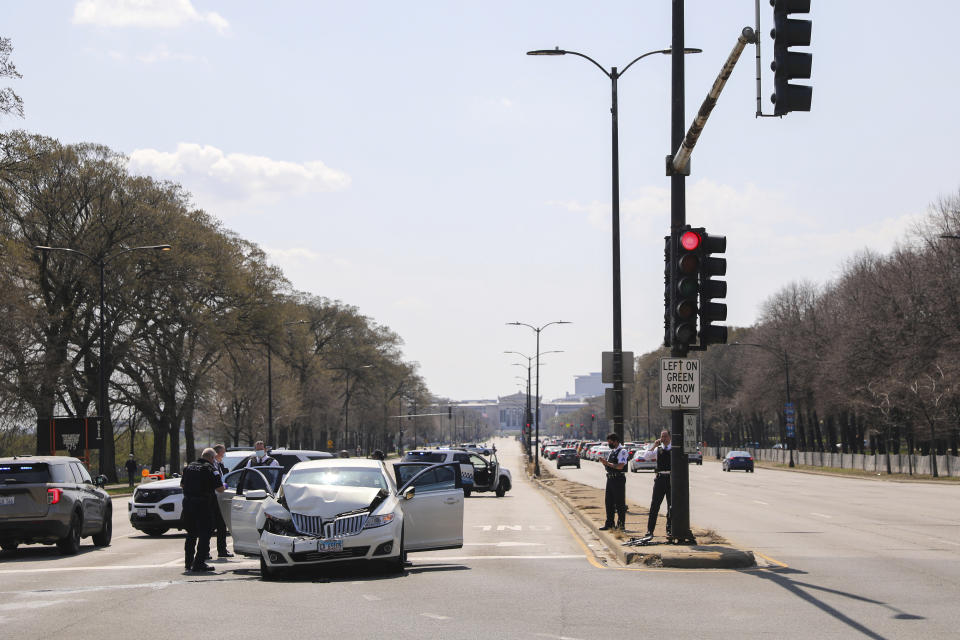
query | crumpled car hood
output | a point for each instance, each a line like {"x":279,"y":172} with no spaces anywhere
{"x":326,"y":501}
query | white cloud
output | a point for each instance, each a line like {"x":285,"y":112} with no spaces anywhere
{"x":237,"y":174}
{"x":150,"y":14}
{"x":163,"y":54}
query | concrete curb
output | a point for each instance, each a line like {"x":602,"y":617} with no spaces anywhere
{"x":661,"y":555}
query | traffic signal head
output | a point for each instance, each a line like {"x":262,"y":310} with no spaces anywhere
{"x":789,"y":65}
{"x":685,"y":286}
{"x":711,"y":267}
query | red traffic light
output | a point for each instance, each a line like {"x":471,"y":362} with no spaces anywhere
{"x":690,"y":240}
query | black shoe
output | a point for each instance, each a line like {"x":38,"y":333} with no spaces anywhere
{"x":224,"y":554}
{"x":606,"y":527}
{"x":648,"y":535}
{"x":202,"y":567}
{"x":186,"y":566}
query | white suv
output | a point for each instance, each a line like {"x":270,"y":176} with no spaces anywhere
{"x":156,"y":507}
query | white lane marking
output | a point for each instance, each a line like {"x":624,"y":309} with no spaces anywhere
{"x":822,"y":515}
{"x":720,"y":493}
{"x":34,"y":604}
{"x":761,"y":502}
{"x":547,"y":635}
{"x":435,"y":616}
{"x":956,"y":544}
{"x":370,"y":598}
{"x":455,"y":558}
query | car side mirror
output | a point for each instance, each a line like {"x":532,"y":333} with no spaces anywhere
{"x":409,"y":493}
{"x":256,"y":494}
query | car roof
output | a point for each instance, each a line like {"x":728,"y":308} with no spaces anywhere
{"x":346,"y":463}
{"x":306,"y":452}
{"x":46,"y":459}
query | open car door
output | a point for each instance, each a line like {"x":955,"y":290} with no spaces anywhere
{"x":254,"y":486}
{"x":232,"y":480}
{"x":433,"y":517}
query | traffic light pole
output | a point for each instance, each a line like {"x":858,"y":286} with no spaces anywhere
{"x":679,"y":471}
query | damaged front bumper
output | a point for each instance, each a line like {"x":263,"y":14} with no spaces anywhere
{"x":280,"y":550}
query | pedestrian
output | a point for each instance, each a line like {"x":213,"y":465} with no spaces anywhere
{"x":200,"y":487}
{"x":660,"y":451}
{"x":220,"y":526}
{"x":259,"y":457}
{"x":131,"y":466}
{"x":616,"y":493}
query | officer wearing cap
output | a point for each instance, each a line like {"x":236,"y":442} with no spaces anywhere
{"x":200,"y":485}
{"x":616,"y":493}
{"x":661,"y":481}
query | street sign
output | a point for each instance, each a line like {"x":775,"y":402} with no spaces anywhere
{"x":689,"y":431}
{"x":606,"y":367}
{"x":329,"y":444}
{"x":679,"y":383}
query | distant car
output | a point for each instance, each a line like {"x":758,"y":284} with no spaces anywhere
{"x":568,"y":458}
{"x":52,"y":500}
{"x":600,"y":451}
{"x":552,"y":451}
{"x":156,"y":507}
{"x":738,"y":460}
{"x":695,"y":457}
{"x":640,"y":461}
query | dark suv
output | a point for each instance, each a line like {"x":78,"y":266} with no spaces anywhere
{"x":52,"y":500}
{"x":568,"y":457}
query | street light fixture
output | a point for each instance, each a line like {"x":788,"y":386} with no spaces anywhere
{"x":786,"y":371}
{"x":536,"y":419}
{"x":613,"y":74}
{"x":527,"y":416}
{"x":106,"y":428}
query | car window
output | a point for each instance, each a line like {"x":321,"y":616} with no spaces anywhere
{"x":60,"y":473}
{"x":439,"y":479}
{"x":30,"y":473}
{"x":286,"y":460}
{"x":463,"y":458}
{"x":232,"y":458}
{"x":252,"y":481}
{"x":80,"y":472}
{"x":232,"y":479}
{"x":478,"y":462}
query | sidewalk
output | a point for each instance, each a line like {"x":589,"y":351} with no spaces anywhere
{"x":712,"y":551}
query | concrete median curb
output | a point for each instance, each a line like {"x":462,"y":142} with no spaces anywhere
{"x":708,"y":556}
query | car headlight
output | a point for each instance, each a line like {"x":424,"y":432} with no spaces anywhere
{"x":378,"y":521}
{"x":279,"y":526}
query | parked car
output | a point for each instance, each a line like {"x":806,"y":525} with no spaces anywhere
{"x":52,"y":500}
{"x":640,"y":461}
{"x":738,"y":460}
{"x":349,"y":510}
{"x":568,"y":458}
{"x":600,"y":451}
{"x":157,"y":507}
{"x":478,"y":472}
{"x":552,"y":451}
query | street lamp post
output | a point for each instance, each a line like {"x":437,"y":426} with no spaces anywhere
{"x":786,"y":373}
{"x":613,"y":75}
{"x":528,"y":415}
{"x":106,"y":428}
{"x":536,"y":419}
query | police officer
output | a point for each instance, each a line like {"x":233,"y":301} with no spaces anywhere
{"x":259,"y":457}
{"x":218,"y":523}
{"x":200,"y":485}
{"x":661,"y":482}
{"x":616,"y":493}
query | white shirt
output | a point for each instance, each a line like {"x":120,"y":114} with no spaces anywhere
{"x":650,"y":455}
{"x":622,"y":455}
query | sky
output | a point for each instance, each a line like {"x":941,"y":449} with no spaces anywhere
{"x":410,"y":160}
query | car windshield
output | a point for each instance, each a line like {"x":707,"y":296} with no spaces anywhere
{"x":24,"y":473}
{"x":339,"y":477}
{"x":738,"y":454}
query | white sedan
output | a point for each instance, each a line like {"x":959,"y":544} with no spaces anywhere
{"x":347,"y":509}
{"x":644,"y":460}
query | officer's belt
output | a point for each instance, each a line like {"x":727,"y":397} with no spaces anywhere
{"x":660,"y":473}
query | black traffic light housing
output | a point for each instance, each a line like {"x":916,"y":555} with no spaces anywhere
{"x":684,"y":286}
{"x":712,"y":289}
{"x":789,"y":65}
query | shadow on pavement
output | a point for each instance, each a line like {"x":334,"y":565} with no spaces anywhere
{"x":348,"y":573}
{"x":784,"y":579}
{"x":43,"y":553}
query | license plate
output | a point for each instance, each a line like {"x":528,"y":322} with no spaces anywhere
{"x":140,"y":512}
{"x":329,"y":545}
{"x":324,"y":546}
{"x":6,"y":499}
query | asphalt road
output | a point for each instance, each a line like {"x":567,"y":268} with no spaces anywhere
{"x":522,"y":573}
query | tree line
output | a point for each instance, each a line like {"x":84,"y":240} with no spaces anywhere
{"x":189,"y":333}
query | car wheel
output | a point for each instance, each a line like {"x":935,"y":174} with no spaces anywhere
{"x":155,"y":533}
{"x":395,"y":565}
{"x":467,"y":492}
{"x":501,"y":489}
{"x":102,"y":539}
{"x":267,"y":573}
{"x":70,"y":544}
{"x":9,"y":545}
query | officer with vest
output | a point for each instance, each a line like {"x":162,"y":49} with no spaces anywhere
{"x":661,"y":482}
{"x":200,"y":485}
{"x":616,"y":493}
{"x":259,"y":457}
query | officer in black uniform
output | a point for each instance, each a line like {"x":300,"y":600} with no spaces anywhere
{"x":616,"y":493}
{"x":200,"y":485}
{"x":219,"y":526}
{"x":661,"y":482}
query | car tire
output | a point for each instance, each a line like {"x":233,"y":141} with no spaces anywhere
{"x":69,"y":545}
{"x":155,"y":533}
{"x":467,"y":492}
{"x":9,"y":545}
{"x":501,"y":488}
{"x":103,"y":537}
{"x":395,"y":565}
